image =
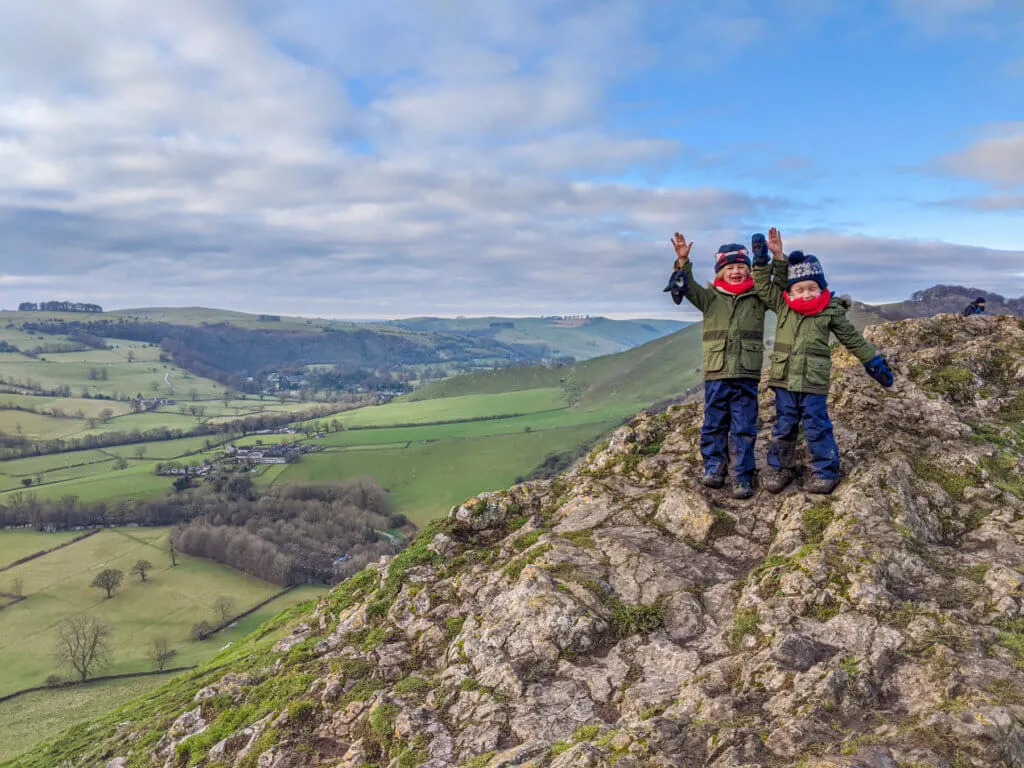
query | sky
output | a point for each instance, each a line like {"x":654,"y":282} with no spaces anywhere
{"x":514,"y":157}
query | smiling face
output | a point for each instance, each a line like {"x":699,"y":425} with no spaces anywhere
{"x":734,"y":274}
{"x":805,"y":289}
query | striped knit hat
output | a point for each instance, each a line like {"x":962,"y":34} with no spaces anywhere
{"x":805,"y":267}
{"x":731,"y":253}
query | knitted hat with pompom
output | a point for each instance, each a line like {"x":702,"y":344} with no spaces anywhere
{"x":805,"y":267}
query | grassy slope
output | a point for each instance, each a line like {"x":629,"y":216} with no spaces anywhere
{"x":173,"y":599}
{"x":661,"y":368}
{"x":29,"y":719}
{"x":425,"y":479}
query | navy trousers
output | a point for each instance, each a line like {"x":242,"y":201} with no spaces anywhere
{"x":730,"y":412}
{"x":792,"y":408}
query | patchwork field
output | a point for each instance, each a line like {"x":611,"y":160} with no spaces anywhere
{"x":168,"y":604}
{"x":17,"y":544}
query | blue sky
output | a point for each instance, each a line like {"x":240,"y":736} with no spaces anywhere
{"x":448,"y":157}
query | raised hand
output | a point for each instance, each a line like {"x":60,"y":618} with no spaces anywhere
{"x":775,"y":244}
{"x":682,"y":249}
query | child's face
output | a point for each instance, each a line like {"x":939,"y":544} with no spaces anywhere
{"x":734,"y":274}
{"x":805,"y":289}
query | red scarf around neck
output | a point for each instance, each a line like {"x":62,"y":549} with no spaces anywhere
{"x":738,"y":288}
{"x":808,"y":306}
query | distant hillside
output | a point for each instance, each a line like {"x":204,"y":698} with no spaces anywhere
{"x":581,"y":338}
{"x":659,"y":369}
{"x":237,"y":349}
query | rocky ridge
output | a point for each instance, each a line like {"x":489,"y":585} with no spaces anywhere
{"x":621,"y":615}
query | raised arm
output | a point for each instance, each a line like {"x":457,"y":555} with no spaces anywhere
{"x":769,"y":279}
{"x":697,"y":295}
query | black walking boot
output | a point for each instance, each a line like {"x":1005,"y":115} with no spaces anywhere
{"x":822,"y":485}
{"x":713,"y":479}
{"x":776,"y":480}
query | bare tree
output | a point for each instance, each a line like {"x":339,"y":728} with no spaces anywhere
{"x":160,"y":652}
{"x":18,"y":586}
{"x":131,"y":356}
{"x":108,"y":579}
{"x":140,"y":451}
{"x":193,"y":394}
{"x":224,"y":607}
{"x":140,"y":569}
{"x":170,"y":547}
{"x":83,"y":643}
{"x":107,"y":414}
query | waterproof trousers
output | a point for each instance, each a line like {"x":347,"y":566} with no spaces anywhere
{"x":792,"y":409}
{"x":730,"y":414}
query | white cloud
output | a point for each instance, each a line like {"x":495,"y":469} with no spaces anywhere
{"x":997,"y":159}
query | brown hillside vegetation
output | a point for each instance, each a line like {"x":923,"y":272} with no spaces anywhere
{"x":620,"y":615}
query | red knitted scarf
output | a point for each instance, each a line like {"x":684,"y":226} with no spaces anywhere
{"x":738,"y":288}
{"x":808,"y":306}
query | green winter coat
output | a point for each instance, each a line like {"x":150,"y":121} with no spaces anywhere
{"x":733,"y":340}
{"x":802,"y":358}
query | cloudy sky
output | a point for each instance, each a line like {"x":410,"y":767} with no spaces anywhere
{"x":442,"y":157}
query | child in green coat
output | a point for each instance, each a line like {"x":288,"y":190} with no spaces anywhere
{"x":733,"y":350}
{"x":801,"y":364}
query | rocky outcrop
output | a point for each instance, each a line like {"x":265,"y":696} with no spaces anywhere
{"x":622,"y":615}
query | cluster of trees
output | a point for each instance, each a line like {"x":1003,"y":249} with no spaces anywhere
{"x":58,"y":306}
{"x":84,"y":645}
{"x":316,"y":533}
{"x":109,"y":579}
{"x":358,"y":379}
{"x":15,"y":446}
{"x":298,"y":534}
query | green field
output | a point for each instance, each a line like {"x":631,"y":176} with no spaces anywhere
{"x":456,"y":408}
{"x":172,"y":600}
{"x":425,"y":478}
{"x":34,"y":717}
{"x":16,"y":544}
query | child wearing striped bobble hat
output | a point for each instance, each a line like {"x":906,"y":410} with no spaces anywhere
{"x":733,"y":350}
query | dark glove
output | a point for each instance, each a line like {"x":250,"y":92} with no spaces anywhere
{"x":759,"y":247}
{"x":677,"y":285}
{"x":879,"y":370}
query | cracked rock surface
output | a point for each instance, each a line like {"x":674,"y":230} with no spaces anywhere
{"x":622,"y":615}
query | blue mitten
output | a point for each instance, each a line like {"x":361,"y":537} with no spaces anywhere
{"x":879,"y":370}
{"x":677,"y":285}
{"x":759,"y":247}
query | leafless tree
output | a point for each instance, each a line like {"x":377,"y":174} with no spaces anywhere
{"x":141,"y":568}
{"x":84,"y":644}
{"x":224,"y":607}
{"x":160,"y":652}
{"x":18,"y":586}
{"x":108,"y":579}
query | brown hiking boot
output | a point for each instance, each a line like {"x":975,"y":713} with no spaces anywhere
{"x":822,"y":485}
{"x":775,"y":480}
